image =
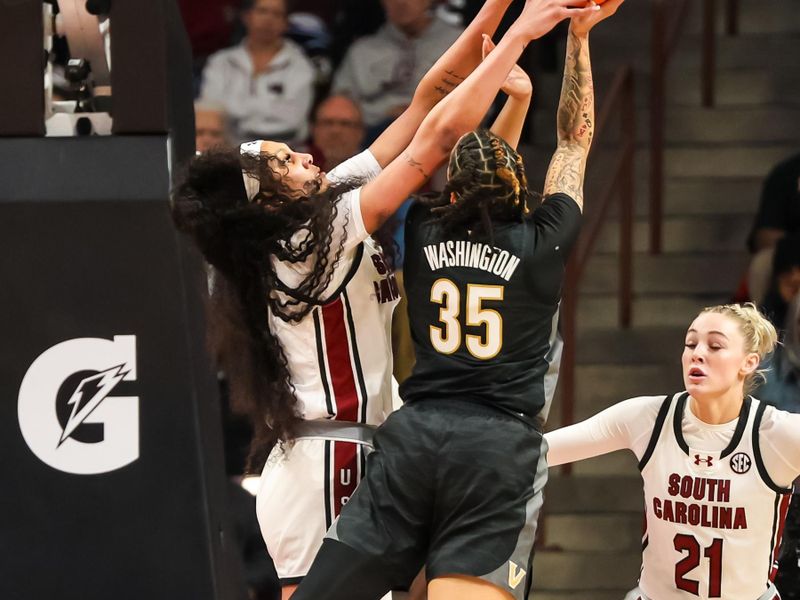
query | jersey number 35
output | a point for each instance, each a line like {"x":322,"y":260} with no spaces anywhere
{"x":448,"y":338}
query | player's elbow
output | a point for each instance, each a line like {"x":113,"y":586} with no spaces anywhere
{"x":573,"y":149}
{"x":444,"y":133}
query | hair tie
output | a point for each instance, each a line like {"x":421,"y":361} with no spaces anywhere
{"x":251,"y":184}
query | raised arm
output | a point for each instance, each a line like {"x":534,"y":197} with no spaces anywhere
{"x":450,"y":70}
{"x":575,"y":120}
{"x":458,"y":113}
{"x":509,"y":123}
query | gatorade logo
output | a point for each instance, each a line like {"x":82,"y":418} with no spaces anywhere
{"x":68,"y":412}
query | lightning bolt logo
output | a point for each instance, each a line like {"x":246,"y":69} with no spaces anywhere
{"x":90,"y":392}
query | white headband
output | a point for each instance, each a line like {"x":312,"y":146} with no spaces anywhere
{"x":251,"y":184}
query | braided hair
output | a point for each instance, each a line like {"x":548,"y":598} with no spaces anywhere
{"x":486,"y":182}
{"x":241,"y":238}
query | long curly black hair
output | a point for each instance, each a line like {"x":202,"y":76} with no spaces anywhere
{"x":486,"y":182}
{"x":240,"y":238}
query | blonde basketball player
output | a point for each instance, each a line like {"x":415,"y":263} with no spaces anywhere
{"x":717,"y":464}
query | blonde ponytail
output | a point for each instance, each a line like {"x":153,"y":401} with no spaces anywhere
{"x":759,"y":334}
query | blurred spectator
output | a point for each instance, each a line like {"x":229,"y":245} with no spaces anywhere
{"x":782,"y":389}
{"x":779,"y":210}
{"x":312,"y":33}
{"x":354,"y":19}
{"x":778,"y":215}
{"x":452,"y":11}
{"x":324,"y":9}
{"x":210,"y":126}
{"x":337,"y":131}
{"x":209,"y":24}
{"x":785,"y":280}
{"x":381,"y":71}
{"x":266,"y":83}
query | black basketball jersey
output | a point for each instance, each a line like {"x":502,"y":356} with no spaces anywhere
{"x":482,"y":314}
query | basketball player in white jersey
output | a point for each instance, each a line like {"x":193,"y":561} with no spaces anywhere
{"x":717,"y":465}
{"x":302,"y":300}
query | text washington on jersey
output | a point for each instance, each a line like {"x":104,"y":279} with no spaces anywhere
{"x":472,"y":254}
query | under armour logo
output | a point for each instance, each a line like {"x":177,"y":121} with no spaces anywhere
{"x":708,"y":460}
{"x":515,"y":575}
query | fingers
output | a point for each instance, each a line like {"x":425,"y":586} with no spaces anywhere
{"x":487,"y":46}
{"x":611,"y":6}
{"x":586,"y":11}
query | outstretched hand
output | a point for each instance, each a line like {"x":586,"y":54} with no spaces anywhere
{"x":518,"y":83}
{"x":540,"y":16}
{"x":582,"y":24}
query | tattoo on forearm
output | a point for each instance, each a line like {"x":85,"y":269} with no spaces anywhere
{"x":575,"y":123}
{"x":566,"y":172}
{"x":415,"y":164}
{"x":576,"y":108}
{"x":448,"y":84}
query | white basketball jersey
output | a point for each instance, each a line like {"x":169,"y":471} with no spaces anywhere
{"x":713,"y":519}
{"x":340,"y":354}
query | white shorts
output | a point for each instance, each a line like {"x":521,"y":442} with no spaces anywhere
{"x":301,"y":492}
{"x":770,"y":594}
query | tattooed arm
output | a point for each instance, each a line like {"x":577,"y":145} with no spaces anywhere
{"x":575,"y":121}
{"x":443,"y":77}
{"x":458,"y":113}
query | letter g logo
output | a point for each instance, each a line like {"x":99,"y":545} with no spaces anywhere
{"x":66,"y":413}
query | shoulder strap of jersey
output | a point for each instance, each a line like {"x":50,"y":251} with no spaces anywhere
{"x":353,"y":268}
{"x":657,"y":427}
{"x":283,"y":288}
{"x":762,"y":469}
{"x":677,"y":422}
{"x":744,"y":416}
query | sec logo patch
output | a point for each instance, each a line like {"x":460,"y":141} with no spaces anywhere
{"x":740,"y":463}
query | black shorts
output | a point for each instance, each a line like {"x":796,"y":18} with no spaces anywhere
{"x":454,"y":486}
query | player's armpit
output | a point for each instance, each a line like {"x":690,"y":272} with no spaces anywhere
{"x":566,"y":172}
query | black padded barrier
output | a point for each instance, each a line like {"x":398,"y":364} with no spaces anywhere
{"x":111,"y":462}
{"x":22,"y":72}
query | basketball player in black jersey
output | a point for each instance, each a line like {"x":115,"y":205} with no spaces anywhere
{"x":455,"y":481}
